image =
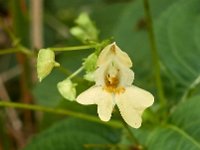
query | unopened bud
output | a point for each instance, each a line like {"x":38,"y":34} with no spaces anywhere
{"x":67,"y":89}
{"x":45,"y":63}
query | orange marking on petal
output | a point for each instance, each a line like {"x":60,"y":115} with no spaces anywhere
{"x":112,"y":48}
{"x":113,"y":90}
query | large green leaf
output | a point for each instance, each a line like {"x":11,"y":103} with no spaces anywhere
{"x":46,"y":92}
{"x":73,"y":134}
{"x":131,"y":35}
{"x":105,"y":22}
{"x":182,"y":132}
{"x":177,"y":33}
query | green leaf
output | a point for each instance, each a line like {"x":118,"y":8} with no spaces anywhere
{"x":177,"y":33}
{"x":73,"y":134}
{"x":129,"y":31}
{"x":46,"y":92}
{"x":182,"y":132}
{"x":177,"y":39}
{"x":103,"y":17}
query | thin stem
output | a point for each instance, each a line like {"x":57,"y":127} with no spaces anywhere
{"x":131,"y":135}
{"x":72,"y":48}
{"x":154,"y":53}
{"x":16,"y":43}
{"x":114,"y":124}
{"x":15,"y":50}
{"x":63,"y":70}
{"x":8,"y":51}
{"x":25,"y":50}
{"x":76,"y":72}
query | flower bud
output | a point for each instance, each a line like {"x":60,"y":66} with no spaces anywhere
{"x":90,"y":62}
{"x":45,"y":63}
{"x":89,"y":76}
{"x":85,"y":30}
{"x":67,"y":89}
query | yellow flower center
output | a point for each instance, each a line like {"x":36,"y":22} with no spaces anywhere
{"x":112,"y":83}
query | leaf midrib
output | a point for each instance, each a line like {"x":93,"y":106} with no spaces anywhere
{"x":184,"y":134}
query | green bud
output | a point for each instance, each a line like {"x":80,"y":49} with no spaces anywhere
{"x":67,"y":89}
{"x":90,"y":62}
{"x":83,"y":20}
{"x":79,"y":33}
{"x":85,"y":29}
{"x":45,"y":63}
{"x":89,"y":76}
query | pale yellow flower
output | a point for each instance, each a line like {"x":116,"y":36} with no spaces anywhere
{"x":114,"y":87}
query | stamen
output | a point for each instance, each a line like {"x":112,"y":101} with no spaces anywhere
{"x":113,"y":90}
{"x":112,"y":85}
{"x":111,"y":81}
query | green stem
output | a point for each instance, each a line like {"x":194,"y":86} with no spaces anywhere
{"x":15,"y":50}
{"x":8,"y":51}
{"x":76,"y":72}
{"x":114,"y":124}
{"x":63,"y":70}
{"x":16,"y":43}
{"x":25,"y":50}
{"x":131,"y":135}
{"x":72,"y":48}
{"x":154,"y":53}
{"x":126,"y":126}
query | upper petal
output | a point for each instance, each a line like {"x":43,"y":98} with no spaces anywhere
{"x":103,"y":99}
{"x":132,"y":103}
{"x":126,"y":75}
{"x":99,"y":74}
{"x":111,"y":51}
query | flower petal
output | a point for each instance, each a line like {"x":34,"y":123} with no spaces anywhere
{"x":99,"y":75}
{"x":89,"y":96}
{"x":123,"y":57}
{"x":126,"y":74}
{"x":132,"y":103}
{"x":103,"y":99}
{"x":105,"y":107}
{"x":111,"y":51}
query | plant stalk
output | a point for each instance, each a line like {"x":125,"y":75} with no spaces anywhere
{"x":114,"y":124}
{"x":72,"y":48}
{"x":76,"y":72}
{"x":154,"y":53}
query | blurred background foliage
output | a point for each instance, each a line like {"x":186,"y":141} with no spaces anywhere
{"x":177,"y":32}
